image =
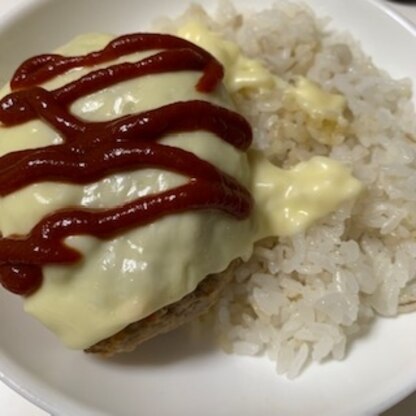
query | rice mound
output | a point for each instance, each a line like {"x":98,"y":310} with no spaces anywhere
{"x":303,"y":298}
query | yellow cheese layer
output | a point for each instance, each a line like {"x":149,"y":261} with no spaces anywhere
{"x":289,"y":201}
{"x":324,"y":111}
{"x":122,"y":280}
{"x":240,"y":71}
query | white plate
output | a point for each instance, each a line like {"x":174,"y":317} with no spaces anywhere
{"x":171,"y":375}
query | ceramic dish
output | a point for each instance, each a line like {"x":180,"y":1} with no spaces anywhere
{"x":170,"y":375}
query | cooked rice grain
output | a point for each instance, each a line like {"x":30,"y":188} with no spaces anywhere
{"x":303,"y":298}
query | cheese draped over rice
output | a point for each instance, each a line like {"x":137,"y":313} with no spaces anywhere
{"x":127,"y":278}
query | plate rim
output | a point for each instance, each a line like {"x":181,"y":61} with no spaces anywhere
{"x":22,"y":7}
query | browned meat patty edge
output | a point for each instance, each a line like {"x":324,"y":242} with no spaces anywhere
{"x":169,"y":317}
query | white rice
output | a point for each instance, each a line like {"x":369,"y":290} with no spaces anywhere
{"x":302,"y":299}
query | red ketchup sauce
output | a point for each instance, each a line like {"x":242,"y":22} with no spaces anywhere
{"x":92,"y":150}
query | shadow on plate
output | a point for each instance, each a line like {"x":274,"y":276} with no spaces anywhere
{"x":179,"y":345}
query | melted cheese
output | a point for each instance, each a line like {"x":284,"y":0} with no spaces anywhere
{"x":126,"y":279}
{"x":130,"y":277}
{"x":289,"y":201}
{"x":324,"y":110}
{"x":240,"y":71}
{"x":316,"y":102}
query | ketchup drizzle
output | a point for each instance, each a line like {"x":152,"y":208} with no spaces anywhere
{"x":90,"y":151}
